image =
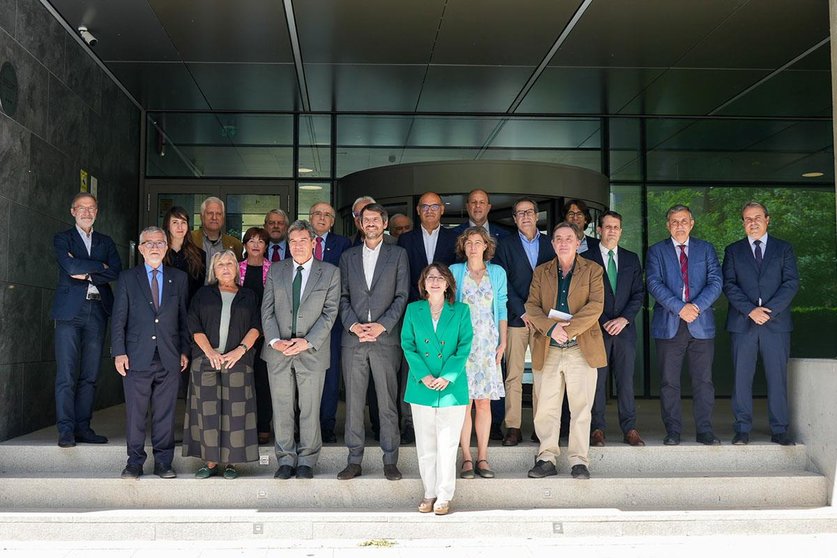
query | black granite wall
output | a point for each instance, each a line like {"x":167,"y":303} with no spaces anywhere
{"x":70,"y":116}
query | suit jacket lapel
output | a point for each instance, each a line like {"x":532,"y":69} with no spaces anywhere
{"x":313,"y":279}
{"x":383,"y":260}
{"x":444,"y":320}
{"x":145,"y":287}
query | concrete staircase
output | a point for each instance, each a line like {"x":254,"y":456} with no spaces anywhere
{"x":656,"y":489}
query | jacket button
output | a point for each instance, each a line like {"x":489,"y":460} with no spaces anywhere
{"x":156,"y":320}
{"x":153,"y":337}
{"x":442,"y":342}
{"x":427,"y":354}
{"x":427,"y":340}
{"x":440,"y":355}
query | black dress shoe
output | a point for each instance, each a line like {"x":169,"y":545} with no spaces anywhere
{"x":513,"y":437}
{"x":708,"y":439}
{"x":672,"y":439}
{"x":66,"y":440}
{"x":782,"y":439}
{"x":741,"y":439}
{"x":580,"y":472}
{"x":90,"y":438}
{"x":542,"y":469}
{"x":329,"y":437}
{"x":304,"y":472}
{"x":535,"y":438}
{"x":351,"y":471}
{"x":496,"y":433}
{"x":408,"y":435}
{"x":284,"y":472}
{"x":392,"y":473}
{"x":165,"y":472}
{"x":132,"y":472}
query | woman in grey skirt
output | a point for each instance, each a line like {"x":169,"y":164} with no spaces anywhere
{"x":225,"y":322}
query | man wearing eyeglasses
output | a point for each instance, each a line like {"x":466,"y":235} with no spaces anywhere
{"x":519,"y":255}
{"x":149,"y":342}
{"x":276,"y":224}
{"x":328,"y":248}
{"x":87,"y":262}
{"x":577,"y":213}
{"x":430,"y":242}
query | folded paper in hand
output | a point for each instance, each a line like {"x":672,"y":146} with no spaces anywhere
{"x":558,"y":315}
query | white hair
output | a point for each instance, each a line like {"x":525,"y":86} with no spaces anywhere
{"x":212,"y":199}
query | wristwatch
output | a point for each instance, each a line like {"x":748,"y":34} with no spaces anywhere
{"x":245,"y":347}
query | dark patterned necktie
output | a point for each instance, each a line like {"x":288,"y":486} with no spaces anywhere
{"x":684,"y":272}
{"x":759,"y":257}
{"x":274,"y":257}
{"x":155,"y":289}
{"x":297,"y":291}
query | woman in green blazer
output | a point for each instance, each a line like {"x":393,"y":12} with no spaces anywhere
{"x":436,"y":339}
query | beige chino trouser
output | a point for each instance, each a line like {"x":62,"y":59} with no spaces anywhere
{"x":518,"y":340}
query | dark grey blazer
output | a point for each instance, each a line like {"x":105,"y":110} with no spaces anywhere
{"x":317,"y":312}
{"x":387,"y":298}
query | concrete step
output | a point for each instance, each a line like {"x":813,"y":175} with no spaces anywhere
{"x":647,"y":491}
{"x":251,"y":527}
{"x":620,"y":460}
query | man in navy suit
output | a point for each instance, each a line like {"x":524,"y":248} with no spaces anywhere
{"x":87,"y":261}
{"x":276,"y":224}
{"x":478,"y":207}
{"x":519,"y":255}
{"x":684,"y":278}
{"x":577,"y":213}
{"x":328,"y":248}
{"x":623,"y":295}
{"x":760,"y":281}
{"x":150,"y":340}
{"x":430,"y":242}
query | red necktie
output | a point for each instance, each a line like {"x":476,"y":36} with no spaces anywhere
{"x":318,"y":251}
{"x":275,"y":256}
{"x":684,"y":271}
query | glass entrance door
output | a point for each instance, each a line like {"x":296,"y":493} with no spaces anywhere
{"x":247,"y":201}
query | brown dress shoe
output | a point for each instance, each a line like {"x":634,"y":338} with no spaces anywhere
{"x":351,"y":471}
{"x":597,"y":438}
{"x":632,"y":438}
{"x":513,"y":437}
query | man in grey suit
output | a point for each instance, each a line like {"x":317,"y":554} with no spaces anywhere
{"x":301,"y":298}
{"x":371,"y":336}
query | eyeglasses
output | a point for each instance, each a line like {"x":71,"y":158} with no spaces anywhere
{"x":573,"y":214}
{"x":322,"y":214}
{"x":425,"y":207}
{"x":525,"y":213}
{"x":435,"y":278}
{"x":86,"y":208}
{"x":154,"y":243}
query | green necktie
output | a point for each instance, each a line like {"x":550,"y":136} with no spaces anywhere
{"x":611,"y":271}
{"x":297,"y":291}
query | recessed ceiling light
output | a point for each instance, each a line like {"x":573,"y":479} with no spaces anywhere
{"x":814,"y":174}
{"x":310,"y":187}
{"x":303,"y":170}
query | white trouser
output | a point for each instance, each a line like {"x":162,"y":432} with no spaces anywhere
{"x":437,"y":441}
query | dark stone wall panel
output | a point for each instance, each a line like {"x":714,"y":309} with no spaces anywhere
{"x":8,"y":11}
{"x":39,"y":393}
{"x":82,"y":75}
{"x":11,"y":396}
{"x":41,"y":34}
{"x":69,"y":121}
{"x":31,"y":233}
{"x":14,"y":157}
{"x":20,"y":323}
{"x":5,"y":208}
{"x":33,"y":81}
{"x":54,"y":179}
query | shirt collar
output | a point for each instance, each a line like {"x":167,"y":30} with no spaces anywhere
{"x":526,"y":240}
{"x":375,"y":250}
{"x":434,"y":232}
{"x":604,"y":250}
{"x":324,"y":236}
{"x":676,"y":244}
{"x":148,"y":269}
{"x":84,"y":234}
{"x":307,"y":265}
{"x":763,"y":239}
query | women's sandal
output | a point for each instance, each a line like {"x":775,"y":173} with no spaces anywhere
{"x":426,"y":505}
{"x":230,"y":473}
{"x":442,"y":507}
{"x":484,"y":472}
{"x":205,"y":472}
{"x":467,"y":473}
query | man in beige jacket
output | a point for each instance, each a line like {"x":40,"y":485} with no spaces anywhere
{"x":565,"y":301}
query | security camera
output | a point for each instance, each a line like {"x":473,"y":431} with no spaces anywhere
{"x":87,"y":36}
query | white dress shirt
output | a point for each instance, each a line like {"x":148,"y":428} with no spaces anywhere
{"x":430,"y":240}
{"x":88,"y":243}
{"x":370,"y":260}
